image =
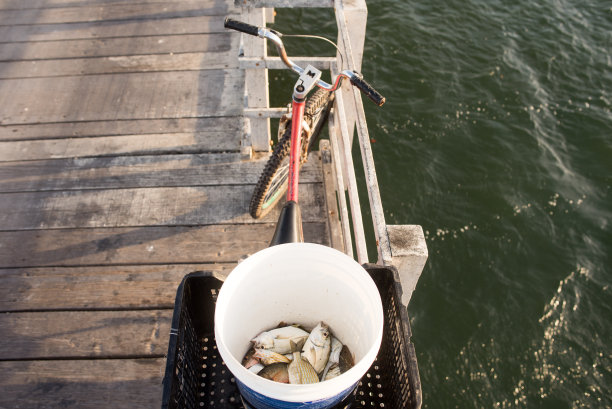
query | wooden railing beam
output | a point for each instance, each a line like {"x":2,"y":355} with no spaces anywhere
{"x":354,"y":14}
{"x":378,"y":217}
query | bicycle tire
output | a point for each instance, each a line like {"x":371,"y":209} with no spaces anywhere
{"x":272,"y":183}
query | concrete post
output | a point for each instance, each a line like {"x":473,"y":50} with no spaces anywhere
{"x":409,"y":254}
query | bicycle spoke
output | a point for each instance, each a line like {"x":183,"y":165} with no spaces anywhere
{"x":277,"y":186}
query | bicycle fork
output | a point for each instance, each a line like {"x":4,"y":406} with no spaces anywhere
{"x":289,"y":224}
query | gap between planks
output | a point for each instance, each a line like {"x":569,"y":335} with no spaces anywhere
{"x":82,"y":334}
{"x":124,"y":127}
{"x":143,"y":245}
{"x":119,"y":172}
{"x":148,"y":95}
{"x":87,"y":384}
{"x":221,"y":46}
{"x":102,"y":29}
{"x":97,"y":288}
{"x":141,"y":207}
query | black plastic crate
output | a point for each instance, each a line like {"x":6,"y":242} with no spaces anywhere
{"x":196,"y":377}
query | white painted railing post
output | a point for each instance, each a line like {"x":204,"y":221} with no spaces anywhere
{"x":356,"y":15}
{"x":408,"y":254}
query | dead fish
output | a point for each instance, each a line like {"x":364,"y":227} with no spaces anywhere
{"x":347,"y":360}
{"x":267,"y":357}
{"x":249,"y":360}
{"x":332,"y":372}
{"x":300,"y":370}
{"x":277,"y":372}
{"x":317,"y":347}
{"x":278,"y":339}
{"x":334,"y":355}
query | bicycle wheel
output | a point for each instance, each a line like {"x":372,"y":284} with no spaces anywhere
{"x":273,"y":180}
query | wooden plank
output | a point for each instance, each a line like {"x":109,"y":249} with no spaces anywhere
{"x":54,"y":130}
{"x":111,"y":65}
{"x":84,"y":334}
{"x":290,"y":3}
{"x":275,"y":63}
{"x":345,"y":221}
{"x":114,"y":12}
{"x":163,"y":206}
{"x":110,"y":29}
{"x":155,"y":144}
{"x":256,"y":80}
{"x":36,"y":4}
{"x":217,"y":46}
{"x":142,"y":245}
{"x":122,"y":96}
{"x":99,"y":287}
{"x":376,"y":208}
{"x":331,"y":201}
{"x":86,"y":384}
{"x":138,"y":171}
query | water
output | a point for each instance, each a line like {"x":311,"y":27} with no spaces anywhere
{"x":497,"y":139}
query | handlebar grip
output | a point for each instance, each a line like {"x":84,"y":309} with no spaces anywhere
{"x":242,"y":27}
{"x":367,"y":89}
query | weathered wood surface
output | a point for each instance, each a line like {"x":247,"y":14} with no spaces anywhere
{"x":39,"y":4}
{"x":147,"y":144}
{"x":216,"y":46}
{"x":142,"y":245}
{"x":87,"y":384}
{"x":122,"y":96}
{"x":160,"y":206}
{"x":213,"y":127}
{"x":104,"y":287}
{"x":116,"y":12}
{"x":189,"y":61}
{"x":333,"y":216}
{"x":287,"y":3}
{"x":121,"y":171}
{"x":257,"y":93}
{"x":84,"y":334}
{"x":111,"y":29}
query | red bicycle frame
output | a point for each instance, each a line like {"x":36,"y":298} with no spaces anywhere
{"x":297,"y":115}
{"x":289,"y":226}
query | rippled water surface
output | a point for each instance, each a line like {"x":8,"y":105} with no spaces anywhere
{"x":497,"y":139}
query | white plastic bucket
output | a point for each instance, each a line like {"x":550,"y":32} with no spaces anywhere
{"x":298,"y":283}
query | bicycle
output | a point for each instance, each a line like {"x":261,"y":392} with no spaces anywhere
{"x":297,"y":133}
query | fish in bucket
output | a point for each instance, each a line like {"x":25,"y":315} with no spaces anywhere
{"x":306,"y":284}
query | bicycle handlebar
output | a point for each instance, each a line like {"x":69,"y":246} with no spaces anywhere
{"x":274,"y":36}
{"x":367,"y":89}
{"x":242,"y":27}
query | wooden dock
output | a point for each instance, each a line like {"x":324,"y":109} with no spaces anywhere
{"x":120,"y":172}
